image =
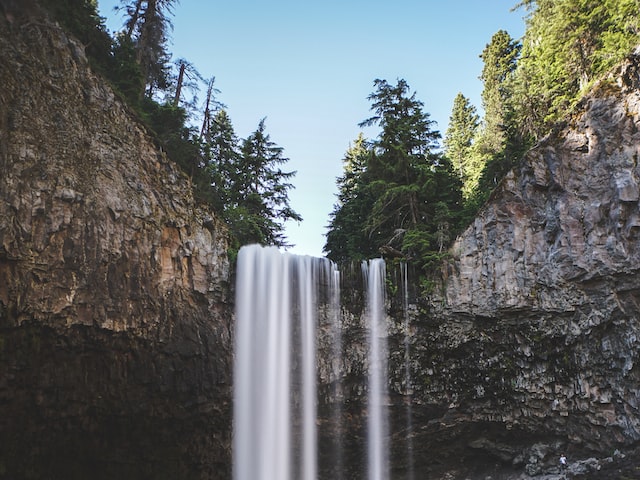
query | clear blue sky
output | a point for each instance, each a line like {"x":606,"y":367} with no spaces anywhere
{"x":308,"y":67}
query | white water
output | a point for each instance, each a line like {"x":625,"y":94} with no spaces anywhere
{"x":378,"y":448}
{"x":407,"y":371}
{"x":275,"y":366}
{"x":275,"y":393}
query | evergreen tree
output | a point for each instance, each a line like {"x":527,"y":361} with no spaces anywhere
{"x":147,"y":27}
{"x":462,"y":129}
{"x":223,"y":158}
{"x":498,"y":144}
{"x":500,"y":58}
{"x":567,"y":44}
{"x":346,"y":236}
{"x":260,"y":201}
{"x":401,"y":158}
{"x":407,"y":181}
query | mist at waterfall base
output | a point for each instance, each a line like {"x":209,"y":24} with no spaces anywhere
{"x":288,"y":338}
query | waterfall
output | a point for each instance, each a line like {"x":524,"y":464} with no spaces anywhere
{"x":378,"y":448}
{"x":275,"y":365}
{"x":278,"y":303}
{"x":407,"y":371}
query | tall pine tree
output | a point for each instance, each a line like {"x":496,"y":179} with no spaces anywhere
{"x":259,"y":192}
{"x":458,"y":140}
{"x":398,"y":196}
{"x":346,"y":237}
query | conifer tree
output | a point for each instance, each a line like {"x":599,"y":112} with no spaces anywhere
{"x":567,"y":44}
{"x":458,"y":140}
{"x":260,"y":200}
{"x":346,"y":236}
{"x":500,"y":58}
{"x":147,"y":26}
{"x":498,"y":144}
{"x":223,"y":158}
{"x":397,"y":196}
{"x":401,"y":157}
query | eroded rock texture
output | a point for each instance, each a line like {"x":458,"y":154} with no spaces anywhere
{"x":533,"y":344}
{"x":114,"y":309}
{"x":529,"y":348}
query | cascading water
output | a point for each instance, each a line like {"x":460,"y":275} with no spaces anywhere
{"x":378,"y":448}
{"x":407,"y":370}
{"x":276,"y":315}
{"x":278,"y":300}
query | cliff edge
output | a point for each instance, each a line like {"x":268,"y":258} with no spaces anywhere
{"x":531,"y":348}
{"x":114,"y":284}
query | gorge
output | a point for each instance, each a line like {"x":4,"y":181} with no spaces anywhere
{"x":116,"y":302}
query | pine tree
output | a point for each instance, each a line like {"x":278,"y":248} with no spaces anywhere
{"x":223,"y":158}
{"x":404,"y":174}
{"x":401,"y":156}
{"x":346,"y":236}
{"x":260,"y":201}
{"x":458,"y":140}
{"x":500,"y":58}
{"x":147,"y":27}
{"x":567,"y":44}
{"x":498,"y":145}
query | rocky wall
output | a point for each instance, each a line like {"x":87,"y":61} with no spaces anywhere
{"x":115,"y":314}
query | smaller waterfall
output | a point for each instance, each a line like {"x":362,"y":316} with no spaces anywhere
{"x":407,"y":372}
{"x":336,"y":371}
{"x":378,"y":443}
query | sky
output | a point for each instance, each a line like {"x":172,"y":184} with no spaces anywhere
{"x":309,"y":66}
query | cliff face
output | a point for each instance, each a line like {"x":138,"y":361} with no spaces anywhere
{"x":531,"y":347}
{"x":115,"y":314}
{"x":114,"y":284}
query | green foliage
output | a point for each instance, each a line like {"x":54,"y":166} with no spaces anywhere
{"x":567,"y":44}
{"x":458,"y":142}
{"x":347,"y":238}
{"x":260,"y":185}
{"x":397,"y":195}
{"x":147,"y":27}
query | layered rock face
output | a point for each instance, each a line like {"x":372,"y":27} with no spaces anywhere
{"x":114,"y":285}
{"x":531,"y":347}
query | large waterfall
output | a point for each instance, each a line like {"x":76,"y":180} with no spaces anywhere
{"x":278,"y":300}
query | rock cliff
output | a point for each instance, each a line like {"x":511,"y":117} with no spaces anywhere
{"x":531,"y":347}
{"x":115,"y":308}
{"x":114,"y":285}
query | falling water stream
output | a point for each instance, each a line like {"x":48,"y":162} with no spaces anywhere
{"x":275,"y":366}
{"x":378,"y":451}
{"x":407,"y":371}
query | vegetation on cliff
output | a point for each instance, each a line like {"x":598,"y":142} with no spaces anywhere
{"x":241,"y":179}
{"x":402,"y":193}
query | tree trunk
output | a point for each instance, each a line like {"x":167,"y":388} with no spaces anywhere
{"x":176,"y":99}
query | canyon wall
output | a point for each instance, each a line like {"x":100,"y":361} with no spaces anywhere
{"x":115,"y":306}
{"x":530,"y":346}
{"x":114,"y":284}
